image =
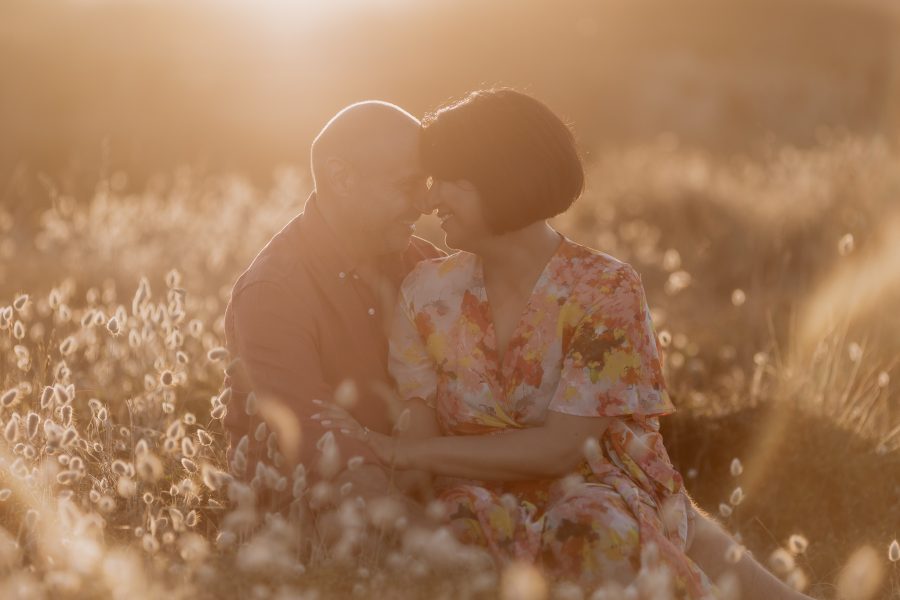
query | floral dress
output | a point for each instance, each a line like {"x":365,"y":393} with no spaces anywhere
{"x":584,"y":345}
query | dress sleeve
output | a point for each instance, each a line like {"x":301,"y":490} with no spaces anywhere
{"x":611,"y":357}
{"x":409,"y":363}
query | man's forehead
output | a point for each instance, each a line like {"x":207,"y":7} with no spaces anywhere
{"x":399,"y":156}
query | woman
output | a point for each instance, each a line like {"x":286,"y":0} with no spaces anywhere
{"x":526,"y":357}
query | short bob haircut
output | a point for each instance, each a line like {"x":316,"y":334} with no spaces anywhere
{"x":517,"y":153}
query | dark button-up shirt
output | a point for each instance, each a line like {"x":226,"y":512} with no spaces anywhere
{"x":303,"y":321}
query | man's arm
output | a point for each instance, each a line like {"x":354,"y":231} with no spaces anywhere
{"x":275,"y":341}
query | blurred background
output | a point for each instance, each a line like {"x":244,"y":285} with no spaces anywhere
{"x":742,"y":154}
{"x":144,"y":85}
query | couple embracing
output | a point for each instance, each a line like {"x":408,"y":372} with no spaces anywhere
{"x":526,"y":365}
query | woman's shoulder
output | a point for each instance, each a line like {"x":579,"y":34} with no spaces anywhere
{"x":438,"y":275}
{"x":596,"y":263}
{"x":598,"y":275}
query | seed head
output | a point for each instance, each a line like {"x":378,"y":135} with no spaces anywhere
{"x":188,"y":448}
{"x":797,"y":580}
{"x":8,"y":397}
{"x":346,"y":394}
{"x":192,"y":519}
{"x":112,"y":326}
{"x":734,"y":553}
{"x":167,"y":378}
{"x":862,"y":575}
{"x":797,"y":544}
{"x":855,"y":351}
{"x":218,"y":353}
{"x":31,"y":424}
{"x":173,"y":278}
{"x":69,"y":437}
{"x":175,"y":430}
{"x":204,"y":438}
{"x":125,"y":487}
{"x":781,"y":561}
{"x":68,"y":345}
{"x":251,"y":406}
{"x":20,"y":302}
{"x":11,"y":431}
{"x":845,"y":244}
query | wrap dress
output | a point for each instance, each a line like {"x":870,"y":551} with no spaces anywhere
{"x":584,"y":345}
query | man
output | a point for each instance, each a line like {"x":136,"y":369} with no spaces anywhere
{"x":312,"y":310}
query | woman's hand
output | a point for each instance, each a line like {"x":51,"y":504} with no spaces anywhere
{"x":389,"y":450}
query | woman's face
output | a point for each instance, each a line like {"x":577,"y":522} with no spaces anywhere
{"x":459,"y":208}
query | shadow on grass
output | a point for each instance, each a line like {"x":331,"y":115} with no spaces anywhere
{"x":802,"y":474}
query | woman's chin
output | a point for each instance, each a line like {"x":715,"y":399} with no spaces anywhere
{"x":452,"y":237}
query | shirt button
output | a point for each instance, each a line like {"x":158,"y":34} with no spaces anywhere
{"x":342,"y":274}
{"x":371,"y":311}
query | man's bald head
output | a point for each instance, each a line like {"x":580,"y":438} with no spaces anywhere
{"x":368,"y":174}
{"x":359,"y":134}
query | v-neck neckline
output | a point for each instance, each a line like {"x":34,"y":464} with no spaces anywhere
{"x":490,"y":335}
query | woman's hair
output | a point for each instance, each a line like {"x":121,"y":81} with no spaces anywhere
{"x":518,"y":154}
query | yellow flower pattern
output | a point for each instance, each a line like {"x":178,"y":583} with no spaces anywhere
{"x":585,"y":345}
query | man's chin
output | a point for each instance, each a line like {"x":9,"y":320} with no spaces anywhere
{"x":394,"y":242}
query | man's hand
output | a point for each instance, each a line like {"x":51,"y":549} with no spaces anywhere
{"x":391,"y":451}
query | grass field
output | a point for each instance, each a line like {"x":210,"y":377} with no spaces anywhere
{"x":774,"y":287}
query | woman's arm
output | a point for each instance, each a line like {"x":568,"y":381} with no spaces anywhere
{"x":553,"y":449}
{"x":422,"y":424}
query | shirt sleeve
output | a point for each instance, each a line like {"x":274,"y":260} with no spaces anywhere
{"x":276,"y":342}
{"x":611,"y":358}
{"x":409,"y":363}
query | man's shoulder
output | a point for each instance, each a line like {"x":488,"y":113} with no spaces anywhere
{"x":279,"y":263}
{"x":271,"y":285}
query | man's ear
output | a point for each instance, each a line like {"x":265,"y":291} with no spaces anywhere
{"x":341,"y":176}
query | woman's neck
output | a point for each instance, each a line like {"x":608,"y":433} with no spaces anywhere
{"x":518,"y":254}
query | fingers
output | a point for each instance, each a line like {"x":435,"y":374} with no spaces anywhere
{"x":346,"y":425}
{"x":331,"y":414}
